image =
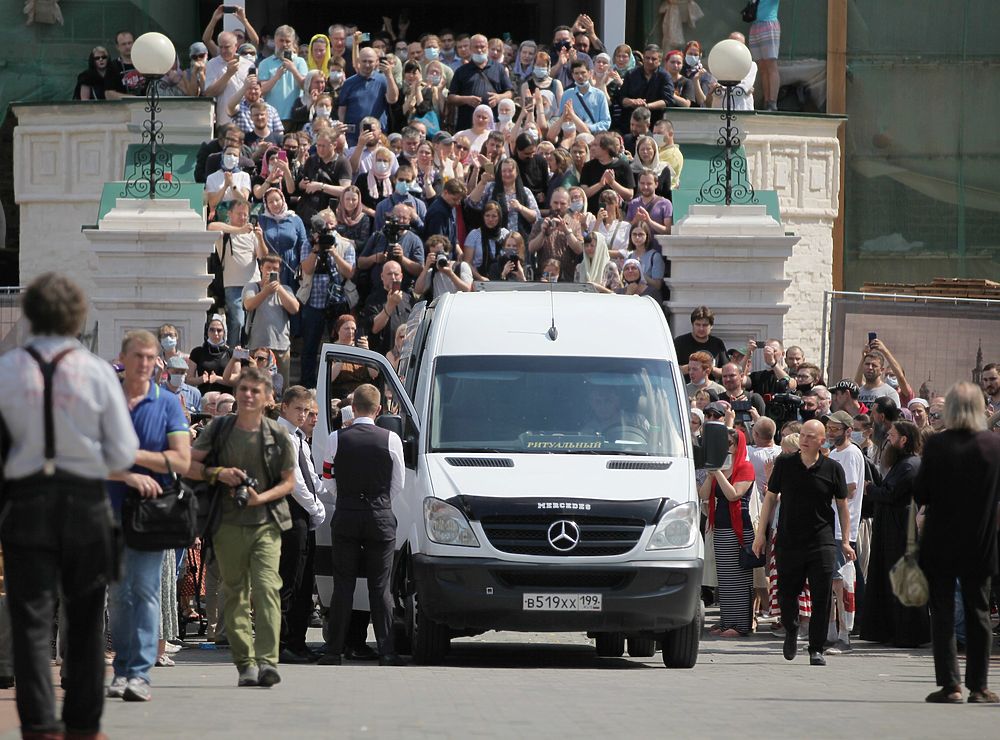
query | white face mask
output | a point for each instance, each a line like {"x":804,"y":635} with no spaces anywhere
{"x":175,"y":380}
{"x":323,"y":112}
{"x":336,"y":76}
{"x":505,"y":118}
{"x":692,"y":61}
{"x":658,"y":138}
{"x":858,"y":438}
{"x":230,"y":161}
{"x":381,"y":168}
{"x":431,"y":53}
{"x":576,"y":206}
{"x":434,"y":79}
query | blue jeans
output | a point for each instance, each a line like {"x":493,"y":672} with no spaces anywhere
{"x":235,"y":316}
{"x":134,"y":610}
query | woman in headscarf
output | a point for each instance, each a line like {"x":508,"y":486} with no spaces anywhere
{"x":518,"y":207}
{"x":640,"y":240}
{"x":428,"y":178}
{"x":319,"y":54}
{"x":284,"y":232}
{"x":524,"y":62}
{"x":612,"y":226}
{"x":304,"y":109}
{"x":352,"y":223}
{"x":482,"y":124}
{"x":633,"y":279}
{"x":274,"y":173}
{"x":376,"y":184}
{"x":210,"y":358}
{"x":593,"y":266}
{"x":483,"y":245}
{"x":727,"y":492}
{"x":604,"y":79}
{"x":647,"y":157}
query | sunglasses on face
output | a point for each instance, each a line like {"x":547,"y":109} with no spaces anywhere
{"x":934,"y":415}
{"x":102,"y":56}
{"x":462,"y":147}
{"x":261,"y":358}
{"x":712,"y":415}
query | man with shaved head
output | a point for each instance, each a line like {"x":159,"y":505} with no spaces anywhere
{"x":807,"y":482}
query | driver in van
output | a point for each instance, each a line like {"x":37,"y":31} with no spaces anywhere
{"x":610,"y":417}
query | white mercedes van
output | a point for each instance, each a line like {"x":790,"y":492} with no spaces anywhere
{"x":550,"y":472}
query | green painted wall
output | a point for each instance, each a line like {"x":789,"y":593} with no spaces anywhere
{"x":41,"y":62}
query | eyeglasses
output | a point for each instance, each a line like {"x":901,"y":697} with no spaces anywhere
{"x":934,"y":415}
{"x":261,"y":358}
{"x":103,"y":56}
{"x":462,"y":147}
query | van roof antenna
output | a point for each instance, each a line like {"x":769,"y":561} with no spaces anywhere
{"x":552,"y":333}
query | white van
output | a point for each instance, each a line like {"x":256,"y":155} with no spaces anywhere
{"x":550,"y":472}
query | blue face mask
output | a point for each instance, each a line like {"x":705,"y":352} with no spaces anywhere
{"x":541,"y":72}
{"x":402,"y":187}
{"x":478,"y":59}
{"x":431,"y":53}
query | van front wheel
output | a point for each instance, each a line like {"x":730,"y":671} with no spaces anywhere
{"x":680,"y":646}
{"x":429,"y":641}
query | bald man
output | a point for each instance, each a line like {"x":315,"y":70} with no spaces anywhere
{"x":808,"y":483}
{"x":225,"y":75}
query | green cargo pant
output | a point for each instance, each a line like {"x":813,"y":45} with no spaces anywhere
{"x":248,"y":563}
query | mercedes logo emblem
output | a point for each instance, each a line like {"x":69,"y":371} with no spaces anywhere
{"x":564,"y":535}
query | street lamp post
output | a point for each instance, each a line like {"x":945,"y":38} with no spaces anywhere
{"x":729,"y":61}
{"x":153,"y":55}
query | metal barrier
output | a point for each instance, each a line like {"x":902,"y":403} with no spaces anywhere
{"x":938,"y":341}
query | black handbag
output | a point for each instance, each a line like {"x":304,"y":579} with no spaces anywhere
{"x":749,"y":561}
{"x":750,"y":11}
{"x":167,"y":522}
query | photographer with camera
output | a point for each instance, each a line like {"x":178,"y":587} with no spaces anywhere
{"x":775,"y":380}
{"x":330,"y":260}
{"x":388,"y":307}
{"x":396,"y":242}
{"x":250,"y":460}
{"x":513,"y":265}
{"x":442,"y":272}
{"x":270,"y":307}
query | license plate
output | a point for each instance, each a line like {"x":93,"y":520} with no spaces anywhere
{"x":562,"y":602}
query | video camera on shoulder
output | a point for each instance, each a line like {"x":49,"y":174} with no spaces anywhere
{"x":393,"y":230}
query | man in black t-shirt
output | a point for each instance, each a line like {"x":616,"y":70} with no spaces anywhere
{"x":776,"y":378}
{"x":606,"y":171}
{"x":700,"y":339}
{"x":807,"y":482}
{"x":123,"y":79}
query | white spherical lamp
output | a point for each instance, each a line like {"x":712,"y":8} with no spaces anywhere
{"x":729,"y":61}
{"x":153,"y":54}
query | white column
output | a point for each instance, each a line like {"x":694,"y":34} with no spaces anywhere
{"x":612,"y":23}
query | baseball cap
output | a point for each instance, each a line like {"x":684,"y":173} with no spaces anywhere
{"x":732,"y":351}
{"x":847,"y":385}
{"x":197,"y":48}
{"x":840,"y":417}
{"x":177,"y":363}
{"x":717,"y":408}
{"x":921,"y":401}
{"x":247,"y":48}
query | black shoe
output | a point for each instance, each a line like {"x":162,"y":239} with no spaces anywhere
{"x":6,"y":682}
{"x":329,"y":659}
{"x":391,"y":659}
{"x":360,"y":653}
{"x":791,"y":645}
{"x":816,"y":658}
{"x":292,"y":657}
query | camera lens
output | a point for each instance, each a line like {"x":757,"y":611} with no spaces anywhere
{"x":442,"y":262}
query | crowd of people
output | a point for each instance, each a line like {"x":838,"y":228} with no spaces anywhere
{"x":830,"y":516}
{"x":349,"y":149}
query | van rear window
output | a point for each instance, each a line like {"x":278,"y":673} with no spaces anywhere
{"x":572,"y":405}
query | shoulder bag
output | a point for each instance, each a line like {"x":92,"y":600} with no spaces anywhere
{"x":166,"y":522}
{"x":909,"y":583}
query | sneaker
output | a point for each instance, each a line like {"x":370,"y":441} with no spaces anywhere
{"x":117,"y":687}
{"x":137,"y":690}
{"x":268,"y":675}
{"x":816,"y":658}
{"x":165,"y":661}
{"x":172,"y":649}
{"x":248,"y":676}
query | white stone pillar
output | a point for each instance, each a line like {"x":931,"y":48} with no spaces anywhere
{"x":731,"y":259}
{"x":151,"y":270}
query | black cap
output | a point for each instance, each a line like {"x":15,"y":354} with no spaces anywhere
{"x":847,"y":385}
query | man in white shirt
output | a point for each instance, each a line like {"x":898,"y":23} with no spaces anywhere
{"x":225,"y":76}
{"x":298,"y":544}
{"x":851,"y":459}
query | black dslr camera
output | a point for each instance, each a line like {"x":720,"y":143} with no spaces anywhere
{"x":392,"y":230}
{"x":242,"y":495}
{"x":784,"y":407}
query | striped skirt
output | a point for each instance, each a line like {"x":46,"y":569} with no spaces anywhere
{"x":735,"y":591}
{"x":805,"y":600}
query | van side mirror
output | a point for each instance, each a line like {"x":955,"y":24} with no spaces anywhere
{"x":394,"y":423}
{"x":714,"y":447}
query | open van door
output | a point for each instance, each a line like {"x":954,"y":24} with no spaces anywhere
{"x":404,"y":422}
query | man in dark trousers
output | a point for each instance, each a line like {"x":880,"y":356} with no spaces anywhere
{"x":807,"y":482}
{"x":363,"y":468}
{"x":959,"y":487}
{"x":66,"y":437}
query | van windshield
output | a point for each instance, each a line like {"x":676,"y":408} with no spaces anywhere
{"x":596,"y":405}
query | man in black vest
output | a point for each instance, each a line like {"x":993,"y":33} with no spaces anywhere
{"x":363,"y":468}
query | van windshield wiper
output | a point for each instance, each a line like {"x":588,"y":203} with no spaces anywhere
{"x":474,"y":449}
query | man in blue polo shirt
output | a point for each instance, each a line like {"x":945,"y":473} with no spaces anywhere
{"x":282,"y":73}
{"x":164,"y":445}
{"x":368,"y":93}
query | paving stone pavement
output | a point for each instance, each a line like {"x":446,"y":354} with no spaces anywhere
{"x":507,"y":685}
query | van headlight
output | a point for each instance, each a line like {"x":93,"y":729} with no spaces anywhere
{"x":446,"y":525}
{"x":677,"y":528}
